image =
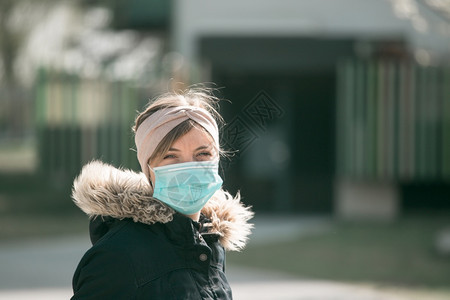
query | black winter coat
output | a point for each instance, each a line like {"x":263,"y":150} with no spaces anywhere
{"x":142,"y":249}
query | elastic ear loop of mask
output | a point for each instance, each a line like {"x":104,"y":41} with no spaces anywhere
{"x":150,"y":179}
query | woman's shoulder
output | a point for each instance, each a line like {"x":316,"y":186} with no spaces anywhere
{"x":127,"y":256}
{"x":126,"y":234}
{"x":141,"y":249}
{"x":132,"y":242}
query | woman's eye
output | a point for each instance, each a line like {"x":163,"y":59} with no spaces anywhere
{"x":169,"y":156}
{"x":204,"y":154}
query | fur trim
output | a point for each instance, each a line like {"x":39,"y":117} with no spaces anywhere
{"x":229,"y":219}
{"x":103,"y":190}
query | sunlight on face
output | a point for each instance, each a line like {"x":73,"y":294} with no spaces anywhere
{"x":196,"y":145}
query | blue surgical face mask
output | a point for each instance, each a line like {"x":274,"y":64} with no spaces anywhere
{"x":186,"y":187}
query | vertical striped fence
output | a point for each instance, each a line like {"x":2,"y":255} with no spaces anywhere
{"x":78,"y":120}
{"x":393,"y":121}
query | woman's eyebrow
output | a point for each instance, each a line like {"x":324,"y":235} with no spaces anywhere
{"x":201,"y":148}
{"x":198,"y":148}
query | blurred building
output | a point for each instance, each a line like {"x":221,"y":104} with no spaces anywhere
{"x":355,"y":106}
{"x":337,"y":106}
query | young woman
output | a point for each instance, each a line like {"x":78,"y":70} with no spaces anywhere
{"x":161,"y":234}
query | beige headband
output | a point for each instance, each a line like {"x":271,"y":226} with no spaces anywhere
{"x":150,"y":133}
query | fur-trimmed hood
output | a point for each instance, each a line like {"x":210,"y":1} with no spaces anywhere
{"x":103,"y":190}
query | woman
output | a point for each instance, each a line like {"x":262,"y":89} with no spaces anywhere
{"x":161,"y":234}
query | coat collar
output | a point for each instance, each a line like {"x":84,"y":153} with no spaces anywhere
{"x":103,"y":190}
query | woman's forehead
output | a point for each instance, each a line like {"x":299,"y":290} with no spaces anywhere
{"x":195,"y":137}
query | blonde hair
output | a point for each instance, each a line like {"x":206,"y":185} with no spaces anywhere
{"x":196,"y":97}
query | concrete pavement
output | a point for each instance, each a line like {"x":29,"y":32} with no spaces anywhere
{"x":43,"y":269}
